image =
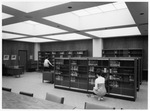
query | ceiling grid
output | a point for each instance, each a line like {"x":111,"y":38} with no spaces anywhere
{"x":63,"y":21}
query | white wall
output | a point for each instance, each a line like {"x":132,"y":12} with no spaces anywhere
{"x":97,"y":47}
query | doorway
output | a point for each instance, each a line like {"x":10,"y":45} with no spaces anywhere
{"x":22,"y":54}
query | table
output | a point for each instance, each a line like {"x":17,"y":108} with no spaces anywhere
{"x":12,"y":100}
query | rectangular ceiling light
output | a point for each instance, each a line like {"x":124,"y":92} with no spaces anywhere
{"x":81,"y":13}
{"x":35,"y":40}
{"x":5,"y":16}
{"x":120,"y":5}
{"x":107,"y":7}
{"x":66,"y":37}
{"x":130,"y":31}
{"x":31,"y":28}
{"x":93,"y":10}
{"x":10,"y":36}
{"x":30,"y":6}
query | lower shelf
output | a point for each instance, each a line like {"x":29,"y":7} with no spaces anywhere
{"x":119,"y":96}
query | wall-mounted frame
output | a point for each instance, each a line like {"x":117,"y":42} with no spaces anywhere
{"x":6,"y":57}
{"x":13,"y":57}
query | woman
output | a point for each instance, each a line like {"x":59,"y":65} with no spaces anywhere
{"x":47,"y":64}
{"x":99,"y":88}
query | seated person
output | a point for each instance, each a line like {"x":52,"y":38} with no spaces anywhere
{"x":47,"y":64}
{"x":99,"y":88}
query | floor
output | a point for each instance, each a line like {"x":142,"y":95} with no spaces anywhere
{"x":32,"y":82}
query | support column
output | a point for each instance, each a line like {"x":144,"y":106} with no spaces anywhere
{"x":36,"y":49}
{"x":97,"y":47}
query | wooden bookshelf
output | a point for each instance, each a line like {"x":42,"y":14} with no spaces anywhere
{"x":59,"y":54}
{"x":129,"y":52}
{"x":80,"y":73}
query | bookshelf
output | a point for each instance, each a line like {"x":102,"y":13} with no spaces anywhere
{"x":79,"y":74}
{"x":129,"y":52}
{"x":62,"y":72}
{"x":122,"y":77}
{"x":59,"y":54}
{"x":93,"y":65}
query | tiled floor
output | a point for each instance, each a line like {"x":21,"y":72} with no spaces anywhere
{"x":32,"y":82}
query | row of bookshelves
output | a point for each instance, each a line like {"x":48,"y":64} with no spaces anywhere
{"x":122,"y":52}
{"x":53,"y":54}
{"x":80,"y":73}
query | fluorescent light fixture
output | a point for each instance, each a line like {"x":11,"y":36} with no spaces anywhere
{"x":34,"y":40}
{"x":27,"y":28}
{"x":93,"y":10}
{"x":120,"y":5}
{"x":81,"y":13}
{"x":31,"y":22}
{"x":67,"y":19}
{"x":109,"y":19}
{"x":107,"y":7}
{"x":10,"y":36}
{"x":4,"y":15}
{"x":116,"y":32}
{"x":66,"y":37}
{"x":31,"y":5}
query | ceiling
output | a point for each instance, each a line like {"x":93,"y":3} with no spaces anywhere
{"x":40,"y":22}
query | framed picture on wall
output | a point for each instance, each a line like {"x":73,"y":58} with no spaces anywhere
{"x":6,"y":57}
{"x":13,"y":57}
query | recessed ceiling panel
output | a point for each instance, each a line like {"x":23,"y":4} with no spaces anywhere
{"x":4,"y":15}
{"x":116,"y":32}
{"x":67,"y":19}
{"x":34,"y":40}
{"x":113,"y":18}
{"x":31,"y":6}
{"x":32,"y":28}
{"x":10,"y":36}
{"x":66,"y":37}
{"x":108,"y":19}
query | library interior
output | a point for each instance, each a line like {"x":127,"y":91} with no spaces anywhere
{"x":78,"y":41}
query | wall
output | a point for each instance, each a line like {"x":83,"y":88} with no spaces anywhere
{"x":68,"y":45}
{"x":129,"y":42}
{"x":12,"y":48}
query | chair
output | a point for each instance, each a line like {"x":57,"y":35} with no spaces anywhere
{"x":6,"y":89}
{"x":49,"y":76}
{"x":26,"y":94}
{"x":54,"y":98}
{"x":95,"y":106}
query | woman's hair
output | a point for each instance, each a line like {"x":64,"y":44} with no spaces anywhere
{"x":98,"y":72}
